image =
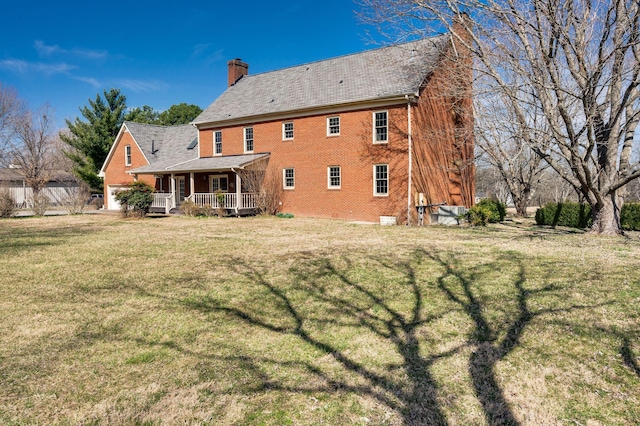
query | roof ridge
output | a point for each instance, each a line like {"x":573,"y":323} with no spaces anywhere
{"x":346,"y":55}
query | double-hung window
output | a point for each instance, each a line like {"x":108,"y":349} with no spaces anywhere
{"x":381,"y":179}
{"x":248,"y":139}
{"x":333,"y":177}
{"x":287,"y":130}
{"x":127,"y":155}
{"x":333,"y":126}
{"x":217,"y":136}
{"x":288,"y":178}
{"x":380,"y":127}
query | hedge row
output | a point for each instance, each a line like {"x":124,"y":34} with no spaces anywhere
{"x":577,"y":215}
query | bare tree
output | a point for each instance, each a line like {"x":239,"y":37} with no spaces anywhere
{"x":266,"y":184}
{"x":33,"y":147}
{"x":502,"y":141}
{"x":10,"y":108}
{"x":579,"y":60}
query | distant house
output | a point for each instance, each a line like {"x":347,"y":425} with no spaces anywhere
{"x":354,"y":137}
{"x":60,"y":187}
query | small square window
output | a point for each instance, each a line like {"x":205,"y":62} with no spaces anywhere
{"x":218,"y":143}
{"x":381,"y":179}
{"x":333,"y":177}
{"x":287,"y":130}
{"x":288,"y":178}
{"x":380,"y":127}
{"x":333,"y":126}
{"x":248,"y":139}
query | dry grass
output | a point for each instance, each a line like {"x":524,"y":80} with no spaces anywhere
{"x":300,"y":321}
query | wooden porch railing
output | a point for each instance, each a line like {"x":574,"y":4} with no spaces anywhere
{"x":247,"y":200}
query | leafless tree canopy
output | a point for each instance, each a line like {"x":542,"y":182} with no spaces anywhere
{"x":11,"y":107}
{"x":575,"y":64}
{"x":33,"y":147}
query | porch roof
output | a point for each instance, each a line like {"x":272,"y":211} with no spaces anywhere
{"x":202,"y":164}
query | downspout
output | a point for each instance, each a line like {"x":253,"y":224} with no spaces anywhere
{"x":410,"y":149}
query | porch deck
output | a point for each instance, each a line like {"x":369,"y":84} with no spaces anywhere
{"x":230,"y":201}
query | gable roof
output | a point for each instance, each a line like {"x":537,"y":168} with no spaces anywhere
{"x":378,"y":74}
{"x":162,"y":146}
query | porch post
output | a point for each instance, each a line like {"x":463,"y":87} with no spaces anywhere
{"x":173,"y":190}
{"x":192,"y":184}
{"x":238,"y":192}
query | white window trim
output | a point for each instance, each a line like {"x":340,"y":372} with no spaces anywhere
{"x":213,"y":177}
{"x":375,"y":193}
{"x":127,"y":155}
{"x":284,"y":132}
{"x":284,"y":178}
{"x":214,"y":142}
{"x":377,"y":142}
{"x":329,"y":134}
{"x":329,"y":186}
{"x":253,"y":139}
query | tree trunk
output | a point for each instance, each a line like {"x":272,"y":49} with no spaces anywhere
{"x":606,"y":215}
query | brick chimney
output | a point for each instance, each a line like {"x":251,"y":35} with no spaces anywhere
{"x":237,"y":69}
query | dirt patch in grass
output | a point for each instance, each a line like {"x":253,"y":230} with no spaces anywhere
{"x":302,"y":321}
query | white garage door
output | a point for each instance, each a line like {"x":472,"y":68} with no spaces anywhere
{"x":112,"y":204}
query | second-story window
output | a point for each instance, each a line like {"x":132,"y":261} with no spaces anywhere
{"x":248,"y":139}
{"x":287,"y":130}
{"x":127,"y":155}
{"x":380,"y":127}
{"x":217,"y":137}
{"x":333,"y":126}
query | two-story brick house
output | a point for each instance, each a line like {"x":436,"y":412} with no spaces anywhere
{"x":354,"y":137}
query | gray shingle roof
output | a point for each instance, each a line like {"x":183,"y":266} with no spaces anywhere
{"x":169,"y":143}
{"x":371,"y":75}
{"x":208,"y":164}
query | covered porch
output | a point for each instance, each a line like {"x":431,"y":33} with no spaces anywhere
{"x":215,"y":181}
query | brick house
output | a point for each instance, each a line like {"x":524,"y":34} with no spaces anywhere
{"x":355,"y":137}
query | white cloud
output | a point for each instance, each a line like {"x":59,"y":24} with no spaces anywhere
{"x":140,"y":85}
{"x":89,"y":80}
{"x":19,"y":66}
{"x":45,"y":50}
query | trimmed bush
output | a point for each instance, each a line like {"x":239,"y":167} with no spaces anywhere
{"x":574,"y":215}
{"x":136,"y":200}
{"x":478,"y":215}
{"x":630,"y":217}
{"x":496,"y":210}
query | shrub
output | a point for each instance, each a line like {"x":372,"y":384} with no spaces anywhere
{"x":39,"y":204}
{"x":136,"y":200}
{"x":285,"y":215}
{"x":630,"y":216}
{"x":7,"y":203}
{"x":574,"y":215}
{"x":478,"y":215}
{"x":496,"y":210}
{"x":221,"y":211}
{"x":75,"y":200}
{"x":189,"y":208}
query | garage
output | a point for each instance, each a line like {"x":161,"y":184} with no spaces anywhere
{"x":112,"y":204}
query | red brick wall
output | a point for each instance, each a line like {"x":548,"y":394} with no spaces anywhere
{"x":312,"y":151}
{"x":116,"y":171}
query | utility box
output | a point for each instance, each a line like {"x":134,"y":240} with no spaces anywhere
{"x":448,"y":215}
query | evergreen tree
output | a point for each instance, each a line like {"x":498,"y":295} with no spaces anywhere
{"x":91,"y":140}
{"x":179,"y":114}
{"x":145,"y":115}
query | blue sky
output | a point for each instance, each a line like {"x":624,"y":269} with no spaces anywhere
{"x":162,"y":53}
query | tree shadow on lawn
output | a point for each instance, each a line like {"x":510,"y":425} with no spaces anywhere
{"x":16,"y":240}
{"x":397,"y":316}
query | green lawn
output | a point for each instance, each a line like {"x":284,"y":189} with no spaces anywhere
{"x":301,"y":321}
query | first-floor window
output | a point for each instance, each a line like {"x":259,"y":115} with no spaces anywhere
{"x":127,"y":155}
{"x":381,"y":179}
{"x":288,"y":178}
{"x":248,"y":139}
{"x":333,"y":177}
{"x":218,"y":142}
